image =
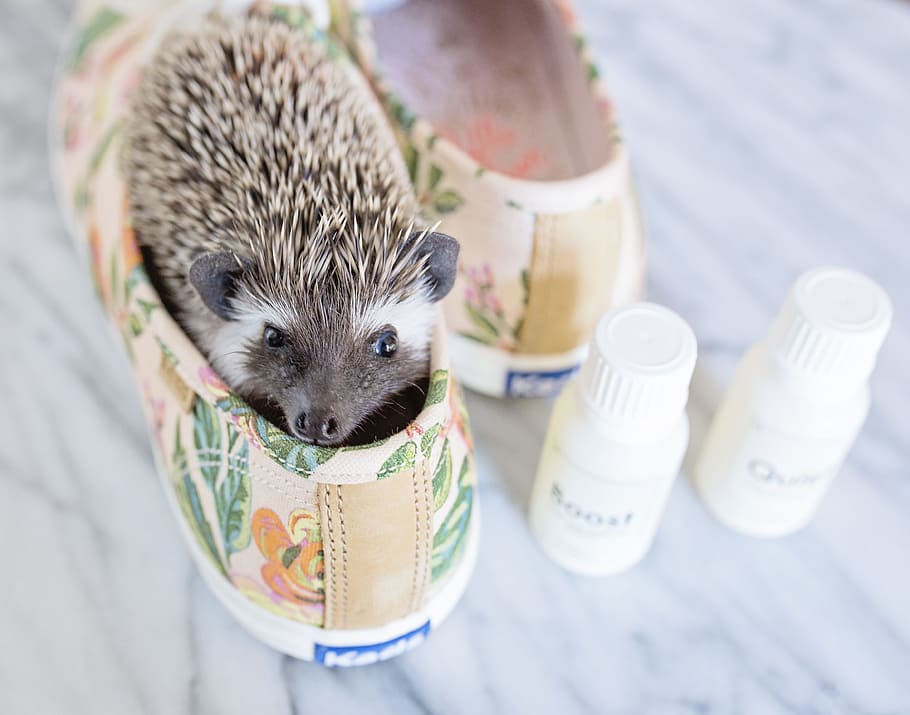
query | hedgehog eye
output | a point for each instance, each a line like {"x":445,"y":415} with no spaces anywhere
{"x":273,"y":337}
{"x":386,"y":344}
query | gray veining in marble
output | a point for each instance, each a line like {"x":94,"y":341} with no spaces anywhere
{"x":768,"y":136}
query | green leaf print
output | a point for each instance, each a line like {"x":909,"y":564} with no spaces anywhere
{"x":191,"y":505}
{"x":447,"y":201}
{"x":292,"y":16}
{"x":135,"y":325}
{"x":98,"y":154}
{"x":490,"y":331}
{"x":428,"y":439}
{"x":100,"y":24}
{"x":370,"y":445}
{"x":232,"y":499}
{"x":233,"y":436}
{"x":439,"y":383}
{"x":293,"y":454}
{"x":400,"y":113}
{"x":410,"y":160}
{"x":147,"y":308}
{"x":207,"y":437}
{"x":450,"y":538}
{"x":525,"y":284}
{"x":400,"y":460}
{"x":288,"y":451}
{"x":166,"y":351}
{"x":81,"y":196}
{"x":287,"y":558}
{"x":442,"y":478}
{"x":435,"y":176}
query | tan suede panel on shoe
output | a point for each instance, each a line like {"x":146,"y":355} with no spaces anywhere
{"x":571,"y":279}
{"x":377,"y":539}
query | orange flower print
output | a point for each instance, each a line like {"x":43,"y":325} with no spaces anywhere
{"x":294,"y":567}
{"x":567,"y":10}
{"x":213,"y":383}
{"x":459,"y":418}
{"x":128,"y":245}
{"x":96,"y":255}
{"x":414,"y":430}
{"x":494,"y":145}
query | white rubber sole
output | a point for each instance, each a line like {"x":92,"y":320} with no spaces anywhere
{"x":499,"y":373}
{"x":334,"y":648}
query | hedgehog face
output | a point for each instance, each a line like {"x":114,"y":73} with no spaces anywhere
{"x":331,"y":366}
{"x":334,"y":382}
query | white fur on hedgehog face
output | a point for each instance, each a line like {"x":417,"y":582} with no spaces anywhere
{"x":227,"y":342}
{"x":335,"y":372}
{"x":413,"y":318}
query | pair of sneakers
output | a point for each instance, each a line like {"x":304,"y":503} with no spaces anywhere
{"x":351,"y":555}
{"x":513,"y":148}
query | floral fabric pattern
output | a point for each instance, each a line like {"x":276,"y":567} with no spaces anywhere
{"x":490,"y":325}
{"x":294,"y":568}
{"x":246,"y":490}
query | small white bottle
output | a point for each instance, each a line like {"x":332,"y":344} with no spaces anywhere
{"x":795,"y":406}
{"x":616,"y":439}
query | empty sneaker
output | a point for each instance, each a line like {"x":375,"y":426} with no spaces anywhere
{"x":513,"y":147}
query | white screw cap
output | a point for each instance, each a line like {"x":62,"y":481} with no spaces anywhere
{"x":831,"y":326}
{"x":640,"y":364}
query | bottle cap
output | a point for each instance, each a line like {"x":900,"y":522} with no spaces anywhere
{"x":831,"y":326}
{"x":640,"y":363}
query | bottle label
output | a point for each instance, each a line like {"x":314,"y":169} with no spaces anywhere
{"x":772,"y":482}
{"x":589,"y":522}
{"x":771,"y":479}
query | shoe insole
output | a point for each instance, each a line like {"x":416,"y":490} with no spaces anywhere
{"x":499,"y":78}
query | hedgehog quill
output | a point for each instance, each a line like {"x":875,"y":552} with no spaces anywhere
{"x":278,"y":222}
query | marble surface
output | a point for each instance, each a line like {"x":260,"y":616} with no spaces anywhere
{"x":768,"y":136}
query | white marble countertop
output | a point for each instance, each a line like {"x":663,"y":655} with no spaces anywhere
{"x":767,"y":137}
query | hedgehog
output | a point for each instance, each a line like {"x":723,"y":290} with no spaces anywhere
{"x":278,"y":222}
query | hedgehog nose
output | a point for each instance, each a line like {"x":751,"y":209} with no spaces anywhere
{"x":329,"y":427}
{"x":314,"y":428}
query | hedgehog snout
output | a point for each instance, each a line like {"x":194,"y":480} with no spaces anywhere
{"x":316,"y":427}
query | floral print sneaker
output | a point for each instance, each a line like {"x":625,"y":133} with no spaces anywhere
{"x":342,"y":555}
{"x":512,"y":145}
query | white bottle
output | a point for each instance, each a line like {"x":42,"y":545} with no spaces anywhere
{"x":616,"y":439}
{"x":796,"y":404}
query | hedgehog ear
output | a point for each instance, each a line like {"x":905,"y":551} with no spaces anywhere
{"x":442,"y":262}
{"x":214,"y":276}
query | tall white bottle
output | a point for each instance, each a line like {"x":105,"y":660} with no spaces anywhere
{"x":616,"y":439}
{"x":795,"y":406}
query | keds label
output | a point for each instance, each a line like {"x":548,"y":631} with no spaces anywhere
{"x":347,"y":656}
{"x":537,"y":384}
